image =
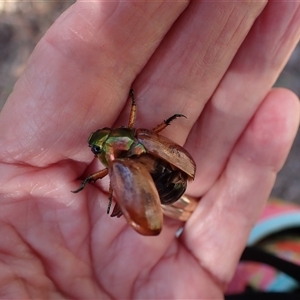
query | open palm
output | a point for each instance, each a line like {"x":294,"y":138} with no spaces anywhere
{"x":213,"y":62}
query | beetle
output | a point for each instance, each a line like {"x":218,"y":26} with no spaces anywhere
{"x":145,"y":168}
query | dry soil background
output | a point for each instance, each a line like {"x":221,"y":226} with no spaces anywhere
{"x":23,"y":23}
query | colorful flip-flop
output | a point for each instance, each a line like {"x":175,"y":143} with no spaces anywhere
{"x":277,"y":232}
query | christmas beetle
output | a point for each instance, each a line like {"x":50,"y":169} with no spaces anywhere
{"x":145,"y":170}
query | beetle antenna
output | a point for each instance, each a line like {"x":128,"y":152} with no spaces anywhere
{"x":166,"y":123}
{"x":132,"y":115}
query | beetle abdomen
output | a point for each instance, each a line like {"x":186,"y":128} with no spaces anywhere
{"x":170,"y":184}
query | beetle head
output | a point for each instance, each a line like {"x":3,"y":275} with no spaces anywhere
{"x":97,"y":140}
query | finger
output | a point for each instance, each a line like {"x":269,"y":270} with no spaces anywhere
{"x":218,"y":230}
{"x":252,"y":73}
{"x":79,"y":74}
{"x":188,"y":65}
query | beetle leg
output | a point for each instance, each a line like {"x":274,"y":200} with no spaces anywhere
{"x":167,"y":122}
{"x":92,"y":178}
{"x":110,"y":196}
{"x":132,"y":115}
{"x":116,"y":211}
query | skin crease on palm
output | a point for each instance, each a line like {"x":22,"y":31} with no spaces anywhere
{"x":214,"y":62}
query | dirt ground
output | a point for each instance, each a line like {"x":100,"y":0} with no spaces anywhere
{"x":23,"y":23}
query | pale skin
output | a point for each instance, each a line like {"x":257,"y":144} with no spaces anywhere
{"x":213,"y":62}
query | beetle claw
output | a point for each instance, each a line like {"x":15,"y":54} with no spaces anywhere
{"x":82,"y":186}
{"x":78,"y":190}
{"x":116,"y":211}
{"x":168,"y":121}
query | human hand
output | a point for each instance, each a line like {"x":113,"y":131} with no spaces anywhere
{"x":213,"y":62}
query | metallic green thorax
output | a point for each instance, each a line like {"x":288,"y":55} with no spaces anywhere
{"x":108,"y":144}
